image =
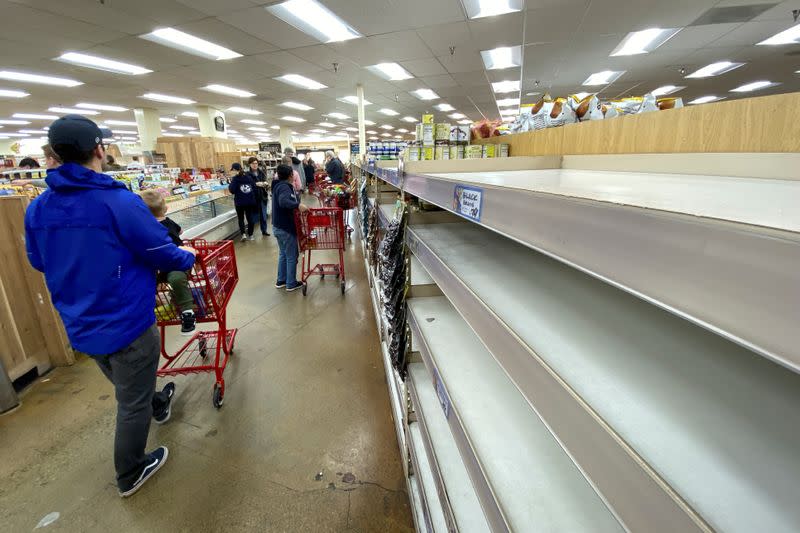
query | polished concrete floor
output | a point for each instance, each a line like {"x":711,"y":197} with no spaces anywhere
{"x":304,"y":441}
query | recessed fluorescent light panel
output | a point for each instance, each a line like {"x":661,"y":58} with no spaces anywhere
{"x":715,"y":69}
{"x":252,"y":121}
{"x":190,"y":44}
{"x":167,"y":119}
{"x":13,"y":75}
{"x":14,"y":122}
{"x":11,"y":93}
{"x":387,"y":111}
{"x":186,"y":128}
{"x":274,"y":127}
{"x":386,"y":135}
{"x":327,"y":125}
{"x":604,"y":77}
{"x":352,"y":100}
{"x":125,"y":132}
{"x":387,"y":127}
{"x":34,"y":116}
{"x":244,"y":111}
{"x":372,"y":132}
{"x":790,"y":36}
{"x":444,"y":107}
{"x":391,"y":71}
{"x":667,"y":89}
{"x":338,"y":115}
{"x":409,"y":119}
{"x":295,"y":105}
{"x":228,"y":91}
{"x":402,"y":130}
{"x":190,"y":114}
{"x":503,"y":57}
{"x":167,"y":99}
{"x":465,"y":122}
{"x":120,"y":123}
{"x":301,"y":81}
{"x":290,"y":118}
{"x":489,"y":8}
{"x":313,"y":18}
{"x":101,"y":63}
{"x":457,"y":115}
{"x":705,"y":99}
{"x":351,"y":129}
{"x":754,"y":86}
{"x":102,"y":107}
{"x":257,"y":128}
{"x":425,"y":94}
{"x":369,"y":122}
{"x":508,"y":86}
{"x":642,"y":42}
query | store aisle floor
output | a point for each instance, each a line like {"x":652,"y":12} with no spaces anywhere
{"x":305,"y":395}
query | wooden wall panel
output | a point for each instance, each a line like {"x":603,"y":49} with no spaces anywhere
{"x":32,"y":331}
{"x":764,"y":124}
{"x":194,"y":152}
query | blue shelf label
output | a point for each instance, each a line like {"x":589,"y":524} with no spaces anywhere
{"x":468,"y":202}
{"x":444,"y":400}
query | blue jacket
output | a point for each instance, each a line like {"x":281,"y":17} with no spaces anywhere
{"x":243,"y":188}
{"x":99,"y":248}
{"x":284,"y":202}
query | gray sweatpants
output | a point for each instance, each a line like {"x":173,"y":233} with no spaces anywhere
{"x":132,"y":370}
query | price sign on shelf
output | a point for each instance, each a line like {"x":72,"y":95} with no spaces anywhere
{"x":468,"y":202}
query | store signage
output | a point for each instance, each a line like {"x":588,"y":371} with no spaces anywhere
{"x":219,"y":123}
{"x":468,"y":202}
{"x":274,"y":148}
{"x":444,"y":400}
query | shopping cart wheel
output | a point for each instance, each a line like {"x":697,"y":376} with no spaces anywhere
{"x":305,"y":288}
{"x":218,"y":397}
{"x":343,"y":286}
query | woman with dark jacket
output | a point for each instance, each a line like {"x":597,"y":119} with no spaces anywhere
{"x":243,"y":188}
{"x":262,"y":194}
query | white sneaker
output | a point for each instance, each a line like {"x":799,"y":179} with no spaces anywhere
{"x":244,"y":237}
{"x":251,"y":238}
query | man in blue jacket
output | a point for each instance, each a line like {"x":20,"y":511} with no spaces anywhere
{"x":284,"y":202}
{"x":99,"y":248}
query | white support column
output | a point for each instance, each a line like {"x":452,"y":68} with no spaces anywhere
{"x":149,"y":127}
{"x":206,"y":119}
{"x":362,"y":133}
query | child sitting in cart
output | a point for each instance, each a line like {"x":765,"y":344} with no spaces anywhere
{"x":178,"y":281}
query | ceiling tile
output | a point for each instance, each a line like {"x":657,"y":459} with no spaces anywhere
{"x":223,"y":34}
{"x":751,"y":33}
{"x":259,"y":22}
{"x":548,"y":25}
{"x":398,"y":46}
{"x":385,"y":16}
{"x":424,"y":67}
{"x":438,"y":82}
{"x":462,"y":61}
{"x":215,"y":7}
{"x":440,"y":38}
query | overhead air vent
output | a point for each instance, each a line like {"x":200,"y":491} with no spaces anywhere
{"x":728,"y":15}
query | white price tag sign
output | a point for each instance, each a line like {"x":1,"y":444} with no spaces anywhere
{"x":468,"y":202}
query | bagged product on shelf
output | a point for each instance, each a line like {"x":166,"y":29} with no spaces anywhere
{"x":670,"y":103}
{"x":589,"y":108}
{"x":486,"y":129}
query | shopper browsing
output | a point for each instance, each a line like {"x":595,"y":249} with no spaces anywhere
{"x":309,"y":168}
{"x":296,"y":182}
{"x":243,"y":188}
{"x":262,"y":192}
{"x":297,"y":166}
{"x":99,"y":248}
{"x":285,"y":201}
{"x":334,"y":167}
{"x":178,"y":280}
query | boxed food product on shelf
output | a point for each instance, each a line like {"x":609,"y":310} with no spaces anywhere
{"x":442,"y":132}
{"x":426,"y":153}
{"x":459,"y":134}
{"x":427,"y":119}
{"x":428,"y":134}
{"x":442,"y":150}
{"x":473,"y":151}
{"x":456,"y":151}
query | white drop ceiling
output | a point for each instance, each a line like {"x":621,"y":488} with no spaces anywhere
{"x":564,"y":42}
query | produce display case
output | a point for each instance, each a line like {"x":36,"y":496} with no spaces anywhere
{"x":611,"y":337}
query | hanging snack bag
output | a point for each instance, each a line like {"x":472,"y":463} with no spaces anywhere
{"x":670,"y":103}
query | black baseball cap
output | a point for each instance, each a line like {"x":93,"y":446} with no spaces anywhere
{"x":77,"y":131}
{"x":236,"y":166}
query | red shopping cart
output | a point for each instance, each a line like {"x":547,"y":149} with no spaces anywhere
{"x":321,"y":229}
{"x":342,"y":197}
{"x":211,"y":281}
